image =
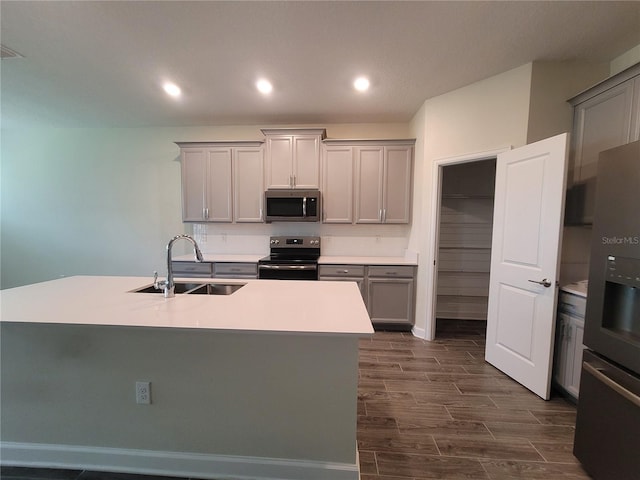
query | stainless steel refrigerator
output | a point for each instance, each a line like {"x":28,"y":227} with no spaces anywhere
{"x":607,"y":439}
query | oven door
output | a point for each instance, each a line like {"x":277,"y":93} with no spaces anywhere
{"x":288,"y":271}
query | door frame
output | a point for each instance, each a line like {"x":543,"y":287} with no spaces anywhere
{"x":436,"y":203}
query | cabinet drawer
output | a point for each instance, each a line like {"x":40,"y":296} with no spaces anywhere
{"x":192,"y":269}
{"x":391,"y":271}
{"x":236,"y":268}
{"x":341,"y":270}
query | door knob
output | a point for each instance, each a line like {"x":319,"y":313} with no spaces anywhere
{"x":544,"y":282}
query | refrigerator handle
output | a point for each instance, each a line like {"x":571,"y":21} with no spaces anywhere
{"x":619,"y":389}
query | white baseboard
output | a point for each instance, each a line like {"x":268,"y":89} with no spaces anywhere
{"x":419,"y":332}
{"x":173,"y":464}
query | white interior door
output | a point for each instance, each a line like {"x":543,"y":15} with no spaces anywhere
{"x":525,"y":253}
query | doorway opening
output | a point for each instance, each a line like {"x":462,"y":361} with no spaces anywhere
{"x":463,"y":250}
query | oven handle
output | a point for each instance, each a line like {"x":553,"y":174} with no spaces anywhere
{"x":304,"y":207}
{"x":288,"y":267}
{"x":616,"y":387}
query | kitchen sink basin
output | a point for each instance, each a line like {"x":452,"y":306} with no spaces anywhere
{"x":196,"y":288}
{"x":217,"y":289}
{"x":180,"y":287}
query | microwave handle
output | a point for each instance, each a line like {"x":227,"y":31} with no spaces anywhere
{"x":304,"y":207}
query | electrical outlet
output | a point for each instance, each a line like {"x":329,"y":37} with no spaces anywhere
{"x":143,"y":393}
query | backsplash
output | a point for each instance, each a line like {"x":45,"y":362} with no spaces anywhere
{"x":351,"y":240}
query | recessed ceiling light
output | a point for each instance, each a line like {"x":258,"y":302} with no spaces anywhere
{"x":172,"y":89}
{"x":264,"y":86}
{"x":361,"y":84}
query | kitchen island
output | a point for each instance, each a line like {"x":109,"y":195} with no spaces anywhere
{"x":261,"y":383}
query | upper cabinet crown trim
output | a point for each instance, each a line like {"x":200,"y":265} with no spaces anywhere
{"x":366,"y":141}
{"x":610,"y":82}
{"x":295,"y":131}
{"x":226,"y":143}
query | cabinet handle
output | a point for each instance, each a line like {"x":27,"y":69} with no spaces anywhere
{"x":345,"y":271}
{"x":261,"y":218}
{"x":384,"y":215}
{"x":294,"y":181}
{"x":380,"y":215}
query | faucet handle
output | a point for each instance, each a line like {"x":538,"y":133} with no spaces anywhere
{"x":155,"y":280}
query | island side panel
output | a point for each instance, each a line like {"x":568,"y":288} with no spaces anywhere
{"x":283,"y":396}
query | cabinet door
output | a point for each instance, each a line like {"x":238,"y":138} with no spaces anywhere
{"x":248,"y":185}
{"x":561,"y":353}
{"x":279,"y":161}
{"x":602,"y":122}
{"x":390,"y":300}
{"x":574,"y":350}
{"x":306,"y":161}
{"x":219,"y":190}
{"x":635,"y":109}
{"x":337,"y":185}
{"x":194,"y":178}
{"x":397,"y":184}
{"x":369,"y":173}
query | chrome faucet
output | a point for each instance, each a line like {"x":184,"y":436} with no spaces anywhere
{"x":168,"y":285}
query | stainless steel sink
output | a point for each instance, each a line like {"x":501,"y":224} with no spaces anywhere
{"x":196,"y":288}
{"x":217,"y":289}
{"x":180,"y":287}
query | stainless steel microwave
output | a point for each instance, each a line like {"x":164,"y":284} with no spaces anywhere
{"x":292,"y":205}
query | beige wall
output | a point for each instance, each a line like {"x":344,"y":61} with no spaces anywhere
{"x":487,"y":115}
{"x":552,"y":84}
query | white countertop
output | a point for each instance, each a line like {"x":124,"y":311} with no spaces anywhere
{"x":577,"y":288}
{"x":334,"y":308}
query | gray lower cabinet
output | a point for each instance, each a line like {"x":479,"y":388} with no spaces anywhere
{"x":569,"y":347}
{"x":388,"y":291}
{"x":391,"y":294}
{"x":192,"y":269}
{"x":215,"y":269}
{"x":235,"y":270}
{"x":345,"y":273}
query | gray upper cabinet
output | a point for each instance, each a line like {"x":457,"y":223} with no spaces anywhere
{"x":293,"y":158}
{"x":248,"y":184}
{"x":605,"y":116}
{"x":383,"y":183}
{"x":367,"y":181}
{"x":337,"y":184}
{"x":221,"y":181}
{"x":206,"y":182}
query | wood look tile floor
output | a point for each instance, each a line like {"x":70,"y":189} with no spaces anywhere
{"x":437,"y":410}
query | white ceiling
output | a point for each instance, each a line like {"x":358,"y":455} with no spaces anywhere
{"x":101,"y":63}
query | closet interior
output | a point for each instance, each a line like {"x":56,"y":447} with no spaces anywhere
{"x":464,"y":254}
